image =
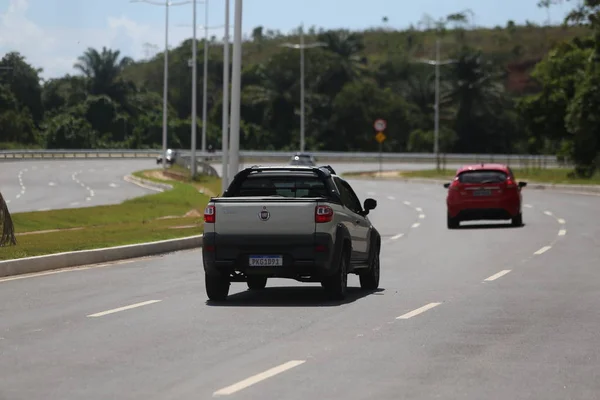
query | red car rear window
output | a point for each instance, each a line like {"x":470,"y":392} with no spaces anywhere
{"x":482,"y":176}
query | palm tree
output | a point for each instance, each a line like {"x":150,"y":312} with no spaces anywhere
{"x":7,"y":236}
{"x":477,"y":93}
{"x":103,"y":72}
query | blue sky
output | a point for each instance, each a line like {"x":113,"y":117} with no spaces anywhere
{"x":52,"y":33}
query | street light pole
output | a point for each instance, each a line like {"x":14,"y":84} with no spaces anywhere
{"x":302,"y":137}
{"x":225,"y":122}
{"x":437,"y":63}
{"x":166,"y":4}
{"x":236,"y":85}
{"x":205,"y":83}
{"x":193,"y":166}
{"x":302,"y":46}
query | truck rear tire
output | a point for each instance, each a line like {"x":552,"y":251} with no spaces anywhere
{"x":257,"y":282}
{"x":369,"y":279}
{"x":217,"y":287}
{"x":335,"y":285}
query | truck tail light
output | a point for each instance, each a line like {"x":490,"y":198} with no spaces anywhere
{"x":210,"y":215}
{"x":323,"y":214}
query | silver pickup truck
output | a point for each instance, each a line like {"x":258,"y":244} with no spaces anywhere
{"x":297,"y":222}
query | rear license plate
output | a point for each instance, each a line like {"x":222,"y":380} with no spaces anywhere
{"x":266,"y":261}
{"x":484,"y":192}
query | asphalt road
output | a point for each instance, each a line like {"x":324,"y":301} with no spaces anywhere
{"x":52,"y":184}
{"x":436,"y":329}
{"x":55,"y":184}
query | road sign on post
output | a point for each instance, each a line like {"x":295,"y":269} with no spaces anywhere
{"x":380,"y":125}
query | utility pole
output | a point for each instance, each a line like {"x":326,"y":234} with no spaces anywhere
{"x":225,"y":122}
{"x":167,"y":4}
{"x":302,"y":46}
{"x":437,"y":63}
{"x":236,"y":84}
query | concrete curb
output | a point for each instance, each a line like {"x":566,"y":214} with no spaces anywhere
{"x":96,"y":256}
{"x":578,"y":189}
{"x":147,"y":184}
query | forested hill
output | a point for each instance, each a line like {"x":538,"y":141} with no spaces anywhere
{"x":488,"y":100}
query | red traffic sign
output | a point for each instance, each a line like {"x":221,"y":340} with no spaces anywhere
{"x":380,"y":125}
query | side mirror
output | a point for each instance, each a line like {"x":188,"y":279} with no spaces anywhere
{"x":370,"y":204}
{"x":522,"y":184}
{"x":446,"y":185}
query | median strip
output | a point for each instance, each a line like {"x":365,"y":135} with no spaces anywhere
{"x":171,"y":214}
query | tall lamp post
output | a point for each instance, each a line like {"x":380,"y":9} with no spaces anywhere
{"x":437,"y":63}
{"x":225,"y":121}
{"x":302,"y":46}
{"x":236,"y":87}
{"x":165,"y":4}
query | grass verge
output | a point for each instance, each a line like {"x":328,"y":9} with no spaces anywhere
{"x":166,"y":215}
{"x":547,"y":175}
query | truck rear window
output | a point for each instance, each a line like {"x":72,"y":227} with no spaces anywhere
{"x":286,"y":186}
{"x":482,"y":176}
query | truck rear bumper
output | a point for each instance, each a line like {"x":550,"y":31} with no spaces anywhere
{"x":305,"y":257}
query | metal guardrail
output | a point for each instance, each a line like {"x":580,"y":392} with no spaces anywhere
{"x":518,"y":160}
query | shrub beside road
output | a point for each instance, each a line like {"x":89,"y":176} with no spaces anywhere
{"x":170,"y":214}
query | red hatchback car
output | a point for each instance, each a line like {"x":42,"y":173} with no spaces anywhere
{"x":484,"y":192}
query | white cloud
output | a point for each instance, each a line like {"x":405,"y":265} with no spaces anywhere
{"x":56,"y":49}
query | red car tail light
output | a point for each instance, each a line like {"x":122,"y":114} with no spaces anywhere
{"x":210,"y":215}
{"x":455,"y":185}
{"x":323,"y":214}
{"x":510,"y":184}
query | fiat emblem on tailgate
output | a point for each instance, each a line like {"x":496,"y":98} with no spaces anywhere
{"x":264,"y":214}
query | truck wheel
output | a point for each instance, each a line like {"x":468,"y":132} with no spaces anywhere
{"x":217,"y":287}
{"x":335,"y":285}
{"x":257,"y":282}
{"x":369,"y":279}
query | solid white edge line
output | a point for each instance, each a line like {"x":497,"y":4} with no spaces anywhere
{"x":115,"y":310}
{"x":236,"y":387}
{"x":396,"y":237}
{"x":418,"y":311}
{"x":415,"y":225}
{"x":562,"y":221}
{"x":542,"y":250}
{"x":498,"y":275}
{"x":562,"y":232}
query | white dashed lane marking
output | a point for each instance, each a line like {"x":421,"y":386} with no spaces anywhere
{"x":83,"y":185}
{"x":115,"y":310}
{"x":419,"y":209}
{"x":498,"y":275}
{"x":542,"y":250}
{"x":396,"y":237}
{"x":415,"y":225}
{"x":562,"y":232}
{"x":51,"y":184}
{"x":421,"y":216}
{"x":391,"y":198}
{"x":561,"y":221}
{"x":236,"y":387}
{"x":407,"y":203}
{"x":418,"y":311}
{"x":548,"y":213}
{"x":527,"y":206}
